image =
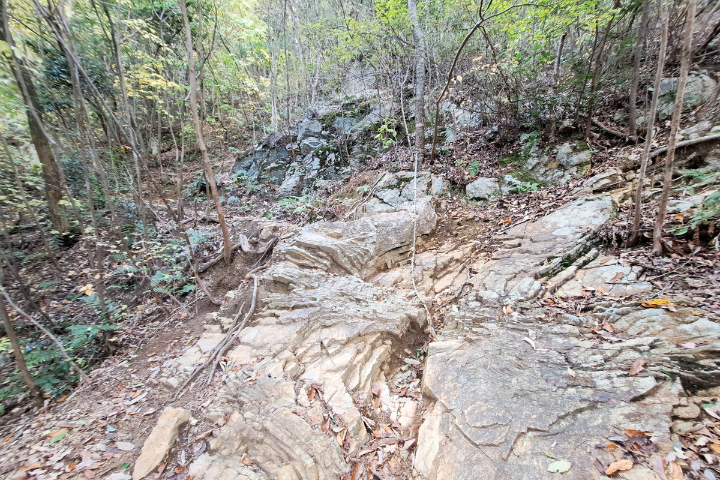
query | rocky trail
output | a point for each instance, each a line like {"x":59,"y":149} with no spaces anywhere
{"x":342,"y":372}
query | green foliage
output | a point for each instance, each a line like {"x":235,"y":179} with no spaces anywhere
{"x":708,"y":209}
{"x":474,"y":168}
{"x":522,"y":188}
{"x":386,"y":134}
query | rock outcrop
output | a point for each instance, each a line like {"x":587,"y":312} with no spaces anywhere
{"x":320,"y":338}
{"x":327,"y":145}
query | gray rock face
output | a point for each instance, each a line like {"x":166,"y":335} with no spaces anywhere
{"x":309,"y":144}
{"x":395,"y":193}
{"x":483,"y":189}
{"x":504,"y":396}
{"x":355,"y":246}
{"x":606,"y":272}
{"x":309,"y":128}
{"x":270,"y":157}
{"x":695,"y":131}
{"x":697,"y":91}
{"x":537,"y":249}
{"x":557,"y":169}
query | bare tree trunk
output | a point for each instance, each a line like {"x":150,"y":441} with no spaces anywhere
{"x":199,"y":134}
{"x":596,"y":72}
{"x":674,"y":126}
{"x":419,"y":82}
{"x":558,"y":57}
{"x":650,"y":122}
{"x":38,"y":136}
{"x":637,"y":54}
{"x":19,"y":359}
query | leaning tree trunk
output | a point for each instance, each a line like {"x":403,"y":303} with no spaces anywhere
{"x":637,"y":54}
{"x":38,"y":136}
{"x":419,"y":82}
{"x":650,"y":122}
{"x":199,"y":133}
{"x":19,"y":359}
{"x":674,"y":126}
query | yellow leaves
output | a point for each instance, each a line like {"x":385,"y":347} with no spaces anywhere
{"x":659,"y":302}
{"x":86,"y":289}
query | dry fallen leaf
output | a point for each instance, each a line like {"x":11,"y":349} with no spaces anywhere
{"x":507,"y":310}
{"x":637,"y":366}
{"x":602,"y":290}
{"x":618,"y":276}
{"x":675,"y":470}
{"x":326,"y":425}
{"x":619,"y":466}
{"x":635,"y":433}
{"x":715,"y":447}
{"x":357,"y":471}
{"x":561,"y":466}
{"x":246,"y":461}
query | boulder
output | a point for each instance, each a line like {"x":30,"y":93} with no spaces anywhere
{"x":571,"y":155}
{"x":270,"y":157}
{"x":609,"y":180}
{"x":309,"y":144}
{"x":698,"y":90}
{"x":483,"y":188}
{"x":309,"y":128}
{"x":695,"y":131}
{"x":160,"y":440}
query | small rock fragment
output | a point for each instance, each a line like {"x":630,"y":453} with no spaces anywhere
{"x":160,"y":440}
{"x":689,"y":412}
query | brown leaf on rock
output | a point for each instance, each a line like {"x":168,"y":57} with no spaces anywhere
{"x":357,"y":471}
{"x":675,"y":470}
{"x":618,"y":276}
{"x":635,"y":433}
{"x":637,"y":366}
{"x":326,"y":425}
{"x":619,"y":466}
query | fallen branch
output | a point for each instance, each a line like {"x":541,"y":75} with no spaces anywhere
{"x":243,"y":245}
{"x":217,"y":352}
{"x":364,"y":199}
{"x":686,"y":143}
{"x":52,"y":337}
{"x":612,"y":131}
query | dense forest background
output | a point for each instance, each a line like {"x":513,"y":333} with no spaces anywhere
{"x":120,"y":121}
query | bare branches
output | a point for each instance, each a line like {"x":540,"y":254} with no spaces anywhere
{"x":467,"y":38}
{"x":52,"y":337}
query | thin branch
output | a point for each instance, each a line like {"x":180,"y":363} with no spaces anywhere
{"x":52,"y":337}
